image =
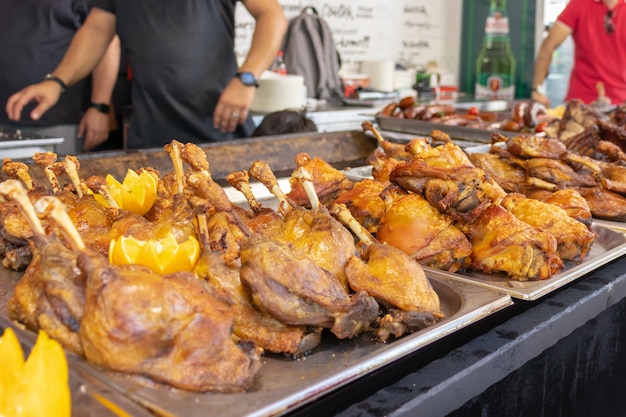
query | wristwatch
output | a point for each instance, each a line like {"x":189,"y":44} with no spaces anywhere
{"x":57,"y":80}
{"x":101,"y":107}
{"x":247,"y":78}
{"x":540,"y":89}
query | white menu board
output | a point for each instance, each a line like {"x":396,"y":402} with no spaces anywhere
{"x":411,"y":32}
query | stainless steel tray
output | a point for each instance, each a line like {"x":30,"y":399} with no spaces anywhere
{"x":421,"y":127}
{"x":619,"y":226}
{"x":609,"y":245}
{"x":90,"y":396}
{"x":284,"y":384}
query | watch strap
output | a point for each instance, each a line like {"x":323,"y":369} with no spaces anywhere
{"x":243,"y":75}
{"x":52,"y":77}
{"x":101,"y":107}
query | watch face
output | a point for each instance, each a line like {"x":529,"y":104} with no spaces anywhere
{"x":247,"y":78}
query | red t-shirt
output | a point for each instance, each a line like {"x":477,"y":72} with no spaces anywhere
{"x":598,"y":56}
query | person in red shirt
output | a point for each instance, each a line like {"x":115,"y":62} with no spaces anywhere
{"x":598,"y":29}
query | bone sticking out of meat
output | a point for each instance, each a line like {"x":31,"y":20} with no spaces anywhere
{"x":261,"y":172}
{"x":52,"y":209}
{"x":46,"y":161}
{"x":18,"y":171}
{"x":306,"y":180}
{"x":240,"y":181}
{"x":173,"y":149}
{"x":71,"y":165}
{"x":14,"y":190}
{"x":392,"y":150}
{"x":99,"y":185}
{"x":394,"y":279}
{"x":50,"y":294}
{"x":168,"y":328}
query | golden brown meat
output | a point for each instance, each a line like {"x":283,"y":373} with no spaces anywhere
{"x":313,"y":233}
{"x":389,"y":149}
{"x":510,"y":177}
{"x":569,"y":200}
{"x":50,"y":294}
{"x":295,"y":290}
{"x":448,"y":180}
{"x":248,"y":322}
{"x":169,"y":328}
{"x":573,"y":238}
{"x":604,"y":204}
{"x":502,"y":243}
{"x":423,"y":233}
{"x":394,"y":279}
{"x":365,"y":203}
{"x":328,"y":181}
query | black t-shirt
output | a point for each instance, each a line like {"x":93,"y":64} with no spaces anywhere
{"x":181,"y":53}
{"x":34,"y":36}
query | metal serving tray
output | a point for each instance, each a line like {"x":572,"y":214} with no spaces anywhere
{"x":610,"y":245}
{"x":19,"y":144}
{"x":284,"y":384}
{"x":421,"y":127}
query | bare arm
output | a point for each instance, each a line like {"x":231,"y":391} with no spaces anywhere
{"x":557,"y":34}
{"x":269,"y":30}
{"x":86,"y":50}
{"x":94,"y":126}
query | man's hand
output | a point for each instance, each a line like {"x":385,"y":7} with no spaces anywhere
{"x":46,"y":93}
{"x":540,"y":98}
{"x":94,"y":128}
{"x":233,"y":106}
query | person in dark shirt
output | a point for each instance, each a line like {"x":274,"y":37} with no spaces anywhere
{"x":187,"y":84}
{"x":34,"y":36}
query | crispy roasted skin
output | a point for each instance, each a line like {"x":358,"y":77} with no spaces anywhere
{"x":169,"y":328}
{"x":295,"y":290}
{"x":50,"y":294}
{"x":423,"y":233}
{"x":568,"y":199}
{"x":328,"y":181}
{"x":392,"y":277}
{"x":574,"y":239}
{"x":316,"y":235}
{"x":512,"y":178}
{"x":604,"y":204}
{"x":502,"y":243}
{"x":364,"y":202}
{"x":250,"y":323}
{"x":448,"y":180}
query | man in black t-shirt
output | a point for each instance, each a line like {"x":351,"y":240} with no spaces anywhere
{"x":186,"y":82}
{"x":34,"y":36}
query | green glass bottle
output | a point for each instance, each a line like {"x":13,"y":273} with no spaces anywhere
{"x":495,"y":66}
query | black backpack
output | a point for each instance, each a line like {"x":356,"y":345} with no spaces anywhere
{"x":309,"y":50}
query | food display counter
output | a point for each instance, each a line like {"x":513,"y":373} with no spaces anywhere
{"x":543,"y":357}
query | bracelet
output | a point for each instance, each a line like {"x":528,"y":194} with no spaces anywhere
{"x":101,"y":107}
{"x":57,"y":80}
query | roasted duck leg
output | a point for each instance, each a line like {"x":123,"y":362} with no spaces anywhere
{"x":50,"y":294}
{"x":428,"y":236}
{"x":503,"y":243}
{"x":169,"y":328}
{"x":573,"y":238}
{"x":295,"y":290}
{"x":249,"y":323}
{"x":312,"y":233}
{"x":394,"y":279}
